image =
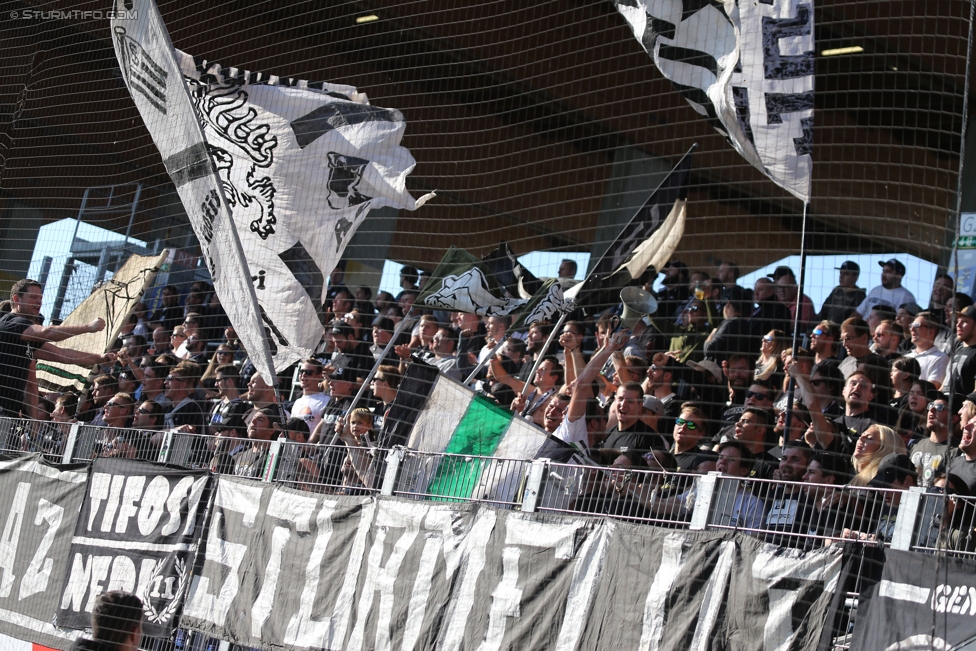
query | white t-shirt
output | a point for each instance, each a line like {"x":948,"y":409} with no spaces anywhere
{"x":933,"y":363}
{"x":881,"y":296}
{"x":573,"y":432}
{"x":309,"y":408}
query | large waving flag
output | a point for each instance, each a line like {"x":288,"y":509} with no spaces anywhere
{"x":296,"y":166}
{"x":747,"y":67}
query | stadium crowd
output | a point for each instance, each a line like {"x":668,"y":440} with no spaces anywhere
{"x":883,"y":393}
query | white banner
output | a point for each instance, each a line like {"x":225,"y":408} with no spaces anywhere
{"x":748,"y":69}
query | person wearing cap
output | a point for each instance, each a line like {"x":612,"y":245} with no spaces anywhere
{"x":652,"y":412}
{"x":312,"y":403}
{"x":962,"y":378}
{"x":340,"y":384}
{"x":889,"y":292}
{"x":788,"y":293}
{"x":843,"y":300}
{"x":964,"y":464}
{"x":929,"y":454}
{"x":932,"y":361}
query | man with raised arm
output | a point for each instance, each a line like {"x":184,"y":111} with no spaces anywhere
{"x":22,"y":341}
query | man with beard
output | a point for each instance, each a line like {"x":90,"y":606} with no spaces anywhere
{"x":358,"y":358}
{"x":788,"y":511}
{"x":889,"y":292}
{"x":887,"y":338}
{"x":841,"y":434}
{"x":824,"y":342}
{"x":738,"y":372}
{"x":942,"y":290}
{"x":752,"y":430}
{"x":929,"y":454}
{"x":932,"y":360}
{"x":964,"y":465}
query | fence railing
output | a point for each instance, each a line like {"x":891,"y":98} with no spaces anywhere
{"x":786,"y":513}
{"x":789,"y":514}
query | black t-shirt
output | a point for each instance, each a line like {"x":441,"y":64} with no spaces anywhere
{"x":787,"y":512}
{"x":638,"y":437}
{"x":966,"y":470}
{"x":849,"y":430}
{"x":964,"y":369}
{"x":15,"y":359}
{"x":188,"y":412}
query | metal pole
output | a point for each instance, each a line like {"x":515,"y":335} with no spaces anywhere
{"x":538,"y":362}
{"x":791,"y":390}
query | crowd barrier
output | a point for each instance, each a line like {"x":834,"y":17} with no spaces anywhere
{"x":919,"y":520}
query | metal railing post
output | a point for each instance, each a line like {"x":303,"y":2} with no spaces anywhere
{"x":703,"y":502}
{"x":166,"y":448}
{"x":69,"y":445}
{"x":393,"y":462}
{"x":907,"y":518}
{"x":533,"y":484}
{"x":271,"y":464}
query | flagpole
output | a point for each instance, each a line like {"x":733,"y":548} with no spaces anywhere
{"x":545,"y":349}
{"x":590,"y":274}
{"x":660,"y":185}
{"x":400,"y":327}
{"x":791,"y":389}
{"x":487,"y":359}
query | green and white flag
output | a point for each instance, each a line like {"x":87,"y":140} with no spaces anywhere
{"x":463,"y":283}
{"x":456,"y":421}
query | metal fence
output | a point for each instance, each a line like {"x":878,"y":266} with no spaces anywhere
{"x":788,"y":514}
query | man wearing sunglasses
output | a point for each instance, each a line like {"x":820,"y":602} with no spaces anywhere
{"x":311,"y":405}
{"x":929,"y":454}
{"x":932,"y":360}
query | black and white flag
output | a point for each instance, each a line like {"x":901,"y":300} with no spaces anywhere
{"x":747,"y":67}
{"x":296,"y":166}
{"x":138,"y":531}
{"x":649,"y":239}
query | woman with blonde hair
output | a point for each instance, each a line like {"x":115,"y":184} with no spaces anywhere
{"x":769,"y":366}
{"x":875,"y":444}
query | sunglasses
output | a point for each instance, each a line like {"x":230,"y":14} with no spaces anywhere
{"x":937,"y":406}
{"x":693,"y":308}
{"x":140,"y":410}
{"x":307,"y":371}
{"x":682,"y":422}
{"x":769,"y":339}
{"x":818,"y":332}
{"x":173,"y":378}
{"x":112,"y":404}
{"x":759,"y":396}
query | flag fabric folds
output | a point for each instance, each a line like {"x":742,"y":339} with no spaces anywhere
{"x":747,"y":68}
{"x":456,"y":421}
{"x":293,"y":167}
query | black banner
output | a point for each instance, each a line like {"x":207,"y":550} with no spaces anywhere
{"x":38,"y":508}
{"x":923,"y":601}
{"x":138,"y":531}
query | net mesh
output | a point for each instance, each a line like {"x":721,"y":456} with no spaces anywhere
{"x":543,"y":125}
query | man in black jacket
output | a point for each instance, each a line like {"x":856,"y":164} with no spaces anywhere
{"x":116,"y":624}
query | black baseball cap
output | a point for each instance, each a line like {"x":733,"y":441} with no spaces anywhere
{"x":891,"y":468}
{"x":339,"y":369}
{"x":968,"y":311}
{"x":849,"y":265}
{"x":894,"y":264}
{"x":781,"y":271}
{"x":342,"y":328}
{"x":384,"y":323}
